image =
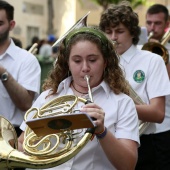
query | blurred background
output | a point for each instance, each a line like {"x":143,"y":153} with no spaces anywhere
{"x":50,"y":19}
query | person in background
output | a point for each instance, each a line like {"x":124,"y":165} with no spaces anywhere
{"x":51,"y":40}
{"x":45,"y":50}
{"x":147,"y":74}
{"x":19,"y":72}
{"x":87,"y":51}
{"x":36,"y":40}
{"x":17,"y":42}
{"x":157,"y":22}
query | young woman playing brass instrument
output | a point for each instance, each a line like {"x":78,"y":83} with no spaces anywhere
{"x":87,"y":51}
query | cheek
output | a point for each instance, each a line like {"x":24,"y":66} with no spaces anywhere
{"x":108,"y":36}
{"x":98,"y":69}
{"x":74,"y":68}
{"x":3,"y":29}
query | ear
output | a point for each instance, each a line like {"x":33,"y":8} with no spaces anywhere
{"x":167,"y":24}
{"x":12,"y":24}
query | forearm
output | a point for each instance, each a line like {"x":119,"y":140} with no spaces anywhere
{"x":150,"y":113}
{"x":20,"y":142}
{"x":18,"y":94}
{"x":122,"y":155}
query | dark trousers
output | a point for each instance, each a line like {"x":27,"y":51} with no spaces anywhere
{"x":18,"y":131}
{"x":154,"y":152}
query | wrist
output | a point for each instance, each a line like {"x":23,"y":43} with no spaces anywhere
{"x":4,"y":76}
{"x":101,"y":134}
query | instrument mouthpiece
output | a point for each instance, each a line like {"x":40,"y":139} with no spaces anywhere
{"x":114,"y":44}
{"x":87,"y":78}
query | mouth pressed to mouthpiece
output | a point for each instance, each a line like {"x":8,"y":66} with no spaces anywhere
{"x":87,"y":78}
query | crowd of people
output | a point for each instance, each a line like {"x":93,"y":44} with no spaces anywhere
{"x":110,"y":56}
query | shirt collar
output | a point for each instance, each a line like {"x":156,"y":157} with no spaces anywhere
{"x":11,"y":50}
{"x":128,"y":55}
{"x":104,"y":87}
{"x":65,"y":84}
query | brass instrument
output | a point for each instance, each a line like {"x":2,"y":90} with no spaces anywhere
{"x":159,"y":48}
{"x":150,"y":35}
{"x":80,"y":23}
{"x":87,"y":78}
{"x":33,"y":48}
{"x":137,"y":100}
{"x":50,"y":150}
{"x":44,"y":151}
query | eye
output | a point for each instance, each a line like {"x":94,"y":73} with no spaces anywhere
{"x":77,"y":61}
{"x":108,"y":32}
{"x":92,"y":60}
{"x":157,"y":23}
{"x":148,"y":23}
{"x":120,"y":31}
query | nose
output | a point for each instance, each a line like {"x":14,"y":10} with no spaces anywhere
{"x":152,"y":26}
{"x":113,"y":36}
{"x":85,"y":67}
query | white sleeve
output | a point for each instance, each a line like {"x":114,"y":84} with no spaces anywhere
{"x":128,"y":124}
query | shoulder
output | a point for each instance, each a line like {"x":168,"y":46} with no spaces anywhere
{"x":25,"y":56}
{"x":147,"y":55}
{"x":111,"y":95}
{"x":145,"y":52}
{"x":121,"y":98}
{"x":43,"y":98}
{"x":125,"y":98}
{"x":25,"y":53}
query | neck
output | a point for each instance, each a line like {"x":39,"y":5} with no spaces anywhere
{"x":78,"y":90}
{"x":4,"y":46}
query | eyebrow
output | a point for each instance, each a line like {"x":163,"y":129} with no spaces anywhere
{"x":148,"y":21}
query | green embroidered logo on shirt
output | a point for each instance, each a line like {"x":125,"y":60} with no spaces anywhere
{"x":139,"y":76}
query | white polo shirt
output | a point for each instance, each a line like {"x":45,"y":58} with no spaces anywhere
{"x":165,"y":125}
{"x":167,"y":46}
{"x":147,"y":74}
{"x":25,"y":69}
{"x":120,"y":118}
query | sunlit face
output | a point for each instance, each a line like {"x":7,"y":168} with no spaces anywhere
{"x":5,"y":26}
{"x":156,"y":23}
{"x":121,"y":35}
{"x":86,"y":59}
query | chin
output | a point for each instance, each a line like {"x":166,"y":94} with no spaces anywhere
{"x":120,"y":52}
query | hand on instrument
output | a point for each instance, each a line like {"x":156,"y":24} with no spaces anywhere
{"x":96,"y":112}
